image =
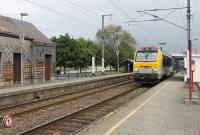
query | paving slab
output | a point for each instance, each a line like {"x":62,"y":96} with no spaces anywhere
{"x":159,"y":111}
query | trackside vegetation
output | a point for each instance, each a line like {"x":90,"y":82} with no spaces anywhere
{"x":78,"y":53}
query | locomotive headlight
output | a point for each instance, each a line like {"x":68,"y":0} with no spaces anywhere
{"x":155,"y":70}
{"x":135,"y":69}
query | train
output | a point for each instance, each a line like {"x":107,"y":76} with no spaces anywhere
{"x":151,"y":65}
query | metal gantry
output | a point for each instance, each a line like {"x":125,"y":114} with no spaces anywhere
{"x":103,"y":42}
{"x":189,"y":49}
{"x":188,"y":29}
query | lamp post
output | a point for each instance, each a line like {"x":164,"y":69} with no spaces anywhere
{"x":23,"y":14}
{"x":21,"y":37}
{"x":21,"y":32}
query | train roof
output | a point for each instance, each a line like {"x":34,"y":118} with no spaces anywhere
{"x":153,"y":48}
{"x":149,"y":48}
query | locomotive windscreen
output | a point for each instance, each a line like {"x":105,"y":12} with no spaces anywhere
{"x":146,"y":56}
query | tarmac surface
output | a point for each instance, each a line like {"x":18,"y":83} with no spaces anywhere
{"x":159,"y":111}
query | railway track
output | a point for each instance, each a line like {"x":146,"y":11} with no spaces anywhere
{"x":74,"y":122}
{"x":21,"y":109}
{"x":38,"y":99}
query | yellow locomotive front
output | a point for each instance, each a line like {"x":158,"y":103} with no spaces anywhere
{"x":147,"y":65}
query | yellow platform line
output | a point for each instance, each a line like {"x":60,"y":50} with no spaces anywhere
{"x":117,"y":125}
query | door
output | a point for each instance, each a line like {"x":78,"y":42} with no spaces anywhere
{"x":16,"y":67}
{"x":47,"y":67}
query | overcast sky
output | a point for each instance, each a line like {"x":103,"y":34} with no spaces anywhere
{"x":82,"y":18}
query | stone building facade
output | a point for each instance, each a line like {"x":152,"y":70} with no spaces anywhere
{"x":26,"y":55}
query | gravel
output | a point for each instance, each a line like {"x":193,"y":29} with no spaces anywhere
{"x":33,"y":119}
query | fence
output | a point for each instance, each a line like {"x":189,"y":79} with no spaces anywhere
{"x":78,"y":75}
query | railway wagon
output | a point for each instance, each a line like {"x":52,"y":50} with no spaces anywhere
{"x":151,"y":65}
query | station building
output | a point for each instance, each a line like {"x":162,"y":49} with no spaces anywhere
{"x":185,"y":63}
{"x":27,"y":56}
{"x":195,"y":67}
{"x":127,"y":65}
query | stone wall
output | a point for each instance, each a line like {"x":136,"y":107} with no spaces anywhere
{"x":8,"y":46}
{"x":33,"y":60}
{"x":39,"y":61}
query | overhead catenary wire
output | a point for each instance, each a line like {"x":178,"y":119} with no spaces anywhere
{"x":132,"y":5}
{"x":39,"y":26}
{"x":142,"y":20}
{"x":60,"y":13}
{"x":127,"y":15}
{"x":71,"y":6}
{"x":142,"y":15}
{"x":162,"y":19}
{"x":193,"y":17}
{"x":51,"y":30}
{"x":146,"y":12}
{"x":180,"y":13}
{"x":152,"y":27}
{"x":83,"y":8}
{"x":168,"y":14}
{"x":158,"y":9}
{"x":121,"y":10}
{"x":151,"y":19}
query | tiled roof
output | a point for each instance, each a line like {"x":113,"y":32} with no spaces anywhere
{"x":15,"y":26}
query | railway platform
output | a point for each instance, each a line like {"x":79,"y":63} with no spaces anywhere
{"x":159,"y":111}
{"x":26,"y":93}
{"x":20,"y":89}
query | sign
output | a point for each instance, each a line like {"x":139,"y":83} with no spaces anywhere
{"x":193,"y":65}
{"x":193,"y":62}
{"x":7,"y":121}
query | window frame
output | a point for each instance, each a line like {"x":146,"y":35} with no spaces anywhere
{"x":144,"y":52}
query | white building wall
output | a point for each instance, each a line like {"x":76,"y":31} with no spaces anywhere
{"x":196,"y":73}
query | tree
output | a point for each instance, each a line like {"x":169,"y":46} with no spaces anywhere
{"x":116,"y":39}
{"x":64,"y":51}
{"x":86,"y":49}
{"x":76,"y":53}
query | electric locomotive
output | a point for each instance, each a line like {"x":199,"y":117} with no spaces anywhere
{"x":151,"y":65}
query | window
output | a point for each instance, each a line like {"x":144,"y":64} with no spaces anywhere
{"x":146,"y":56}
{"x":167,"y":61}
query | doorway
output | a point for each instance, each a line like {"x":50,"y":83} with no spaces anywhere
{"x":17,"y":67}
{"x":47,"y":67}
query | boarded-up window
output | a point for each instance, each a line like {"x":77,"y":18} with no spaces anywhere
{"x":28,"y":70}
{"x":7,"y":71}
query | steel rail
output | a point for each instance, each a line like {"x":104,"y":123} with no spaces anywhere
{"x":40,"y":129}
{"x":67,"y":100}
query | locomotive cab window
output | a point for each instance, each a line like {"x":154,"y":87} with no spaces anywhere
{"x":146,"y":56}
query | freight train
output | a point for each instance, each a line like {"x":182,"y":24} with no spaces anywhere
{"x":151,"y":65}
